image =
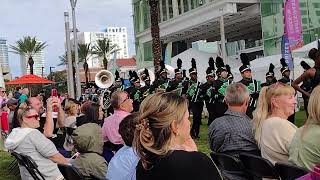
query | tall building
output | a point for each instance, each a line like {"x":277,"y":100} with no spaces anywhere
{"x":252,"y":26}
{"x":272,"y":23}
{"x":4,"y":59}
{"x":38,"y":66}
{"x":116,"y":35}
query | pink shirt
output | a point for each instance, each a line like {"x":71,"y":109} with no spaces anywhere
{"x":111,"y":126}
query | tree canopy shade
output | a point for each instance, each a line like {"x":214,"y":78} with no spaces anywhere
{"x":103,"y":49}
{"x":28,"y":46}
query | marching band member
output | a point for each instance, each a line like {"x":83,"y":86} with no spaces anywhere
{"x":270,"y":79}
{"x":162,"y":81}
{"x":134,"y":91}
{"x":118,"y":83}
{"x":145,"y":90}
{"x":208,"y":85}
{"x":178,"y":83}
{"x":216,"y":93}
{"x":195,"y":99}
{"x":285,"y":72}
{"x":253,"y":85}
{"x":230,"y":75}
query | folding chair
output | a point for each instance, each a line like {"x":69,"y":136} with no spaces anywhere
{"x":258,"y":167}
{"x":29,"y":164}
{"x":69,"y":172}
{"x":290,"y":171}
{"x":229,"y":164}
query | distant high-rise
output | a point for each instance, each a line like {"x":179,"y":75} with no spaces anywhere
{"x":4,"y":59}
{"x":4,"y":52}
{"x":116,"y":35}
{"x":37,"y":66}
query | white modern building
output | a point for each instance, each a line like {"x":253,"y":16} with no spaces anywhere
{"x":116,"y":35}
{"x":4,"y":58}
{"x":38,"y":66}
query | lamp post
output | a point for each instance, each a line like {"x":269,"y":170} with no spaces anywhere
{"x":51,"y":72}
{"x":75,"y":45}
{"x":42,"y":71}
{"x":70,"y":80}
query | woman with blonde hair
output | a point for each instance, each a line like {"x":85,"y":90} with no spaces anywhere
{"x":272,"y":130}
{"x":29,"y":141}
{"x":304,"y":150}
{"x":163,"y":127}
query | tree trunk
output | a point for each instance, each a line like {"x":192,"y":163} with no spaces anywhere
{"x":31,"y":62}
{"x":105,"y":63}
{"x":86,"y":68}
{"x":156,"y":44}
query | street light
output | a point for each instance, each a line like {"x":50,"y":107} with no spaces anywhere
{"x":42,"y":71}
{"x":70,"y":80}
{"x":75,"y":44}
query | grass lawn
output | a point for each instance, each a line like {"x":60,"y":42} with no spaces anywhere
{"x":202,"y":143}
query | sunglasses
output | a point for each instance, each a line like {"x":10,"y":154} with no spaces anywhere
{"x":36,"y":116}
{"x":3,"y":91}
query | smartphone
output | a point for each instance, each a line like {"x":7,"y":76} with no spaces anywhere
{"x":54,"y":92}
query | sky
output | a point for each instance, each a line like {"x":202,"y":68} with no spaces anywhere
{"x":45,"y":20}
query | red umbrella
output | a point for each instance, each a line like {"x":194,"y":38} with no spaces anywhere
{"x":29,"y":79}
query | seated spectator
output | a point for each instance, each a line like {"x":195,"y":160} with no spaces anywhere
{"x":12,"y":105}
{"x":29,"y":141}
{"x":24,"y":95}
{"x":123,"y":164}
{"x":90,"y":113}
{"x":273,"y":132}
{"x":232,"y":133}
{"x":89,"y":143}
{"x":163,"y":124}
{"x":49,"y":120}
{"x":304,"y":150}
{"x":17,"y":92}
{"x":71,"y":109}
{"x":122,"y":105}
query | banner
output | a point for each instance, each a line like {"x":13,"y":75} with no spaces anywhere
{"x":285,"y":51}
{"x":292,"y":24}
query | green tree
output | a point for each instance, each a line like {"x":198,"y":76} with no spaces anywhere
{"x":103,"y":49}
{"x":155,"y":34}
{"x":84,"y":54}
{"x":28,"y":46}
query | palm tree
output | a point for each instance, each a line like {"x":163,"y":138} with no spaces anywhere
{"x":155,"y":34}
{"x":64,"y":61}
{"x":103,"y":49}
{"x":85,"y":51}
{"x":28,"y":46}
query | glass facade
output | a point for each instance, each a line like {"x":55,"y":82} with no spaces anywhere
{"x":272,"y":23}
{"x":169,"y":9}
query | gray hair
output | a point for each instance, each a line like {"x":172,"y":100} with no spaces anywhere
{"x":115,"y":100}
{"x":236,"y":94}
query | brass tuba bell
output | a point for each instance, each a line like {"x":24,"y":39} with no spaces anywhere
{"x":104,"y":79}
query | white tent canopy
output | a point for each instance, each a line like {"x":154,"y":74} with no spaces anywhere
{"x":202,"y":59}
{"x":260,"y":67}
{"x":304,"y":50}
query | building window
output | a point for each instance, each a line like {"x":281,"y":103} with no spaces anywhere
{"x":147,"y":51}
{"x":164,"y":10}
